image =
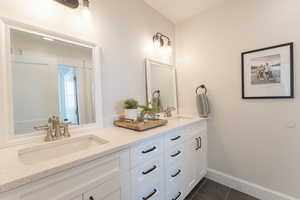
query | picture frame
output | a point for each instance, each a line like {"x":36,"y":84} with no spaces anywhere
{"x":268,"y":73}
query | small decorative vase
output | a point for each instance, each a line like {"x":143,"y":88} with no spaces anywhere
{"x":131,"y":114}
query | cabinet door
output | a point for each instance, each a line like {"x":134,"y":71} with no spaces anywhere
{"x":200,"y":154}
{"x":196,"y":160}
{"x":191,"y":163}
{"x":110,"y":190}
{"x":77,"y":198}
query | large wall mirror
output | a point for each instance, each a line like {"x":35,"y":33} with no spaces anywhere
{"x":161,"y":85}
{"x":49,"y":76}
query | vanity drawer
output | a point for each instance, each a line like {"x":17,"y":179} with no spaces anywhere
{"x":149,"y":192}
{"x":175,"y":155}
{"x":71,"y":183}
{"x":175,"y":174}
{"x":176,"y":193}
{"x":106,"y":191}
{"x":174,"y":181}
{"x":146,"y":174}
{"x":147,"y":180}
{"x":174,"y":138}
{"x":146,"y":151}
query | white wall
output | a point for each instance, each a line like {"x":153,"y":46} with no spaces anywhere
{"x":248,"y":139}
{"x":124,"y":29}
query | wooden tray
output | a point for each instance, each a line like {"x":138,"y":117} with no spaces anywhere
{"x":140,"y":126}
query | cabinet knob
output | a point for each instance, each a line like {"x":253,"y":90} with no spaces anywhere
{"x":91,"y":198}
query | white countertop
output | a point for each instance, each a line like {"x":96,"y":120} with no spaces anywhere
{"x":14,"y":173}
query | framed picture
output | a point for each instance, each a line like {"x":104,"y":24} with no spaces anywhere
{"x":268,"y":73}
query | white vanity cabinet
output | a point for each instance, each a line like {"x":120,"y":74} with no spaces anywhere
{"x":95,"y":180}
{"x":147,"y":170}
{"x":168,"y":167}
{"x":196,"y":159}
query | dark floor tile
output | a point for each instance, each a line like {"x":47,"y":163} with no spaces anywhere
{"x":196,"y":188}
{"x":212,"y":191}
{"x":236,"y":195}
{"x":205,"y":196}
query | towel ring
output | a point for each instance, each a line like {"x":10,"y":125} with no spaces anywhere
{"x":201,"y":87}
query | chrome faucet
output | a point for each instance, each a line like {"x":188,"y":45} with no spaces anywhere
{"x":168,"y":111}
{"x":53,"y":129}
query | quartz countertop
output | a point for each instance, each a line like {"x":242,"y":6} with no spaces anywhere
{"x":15,"y":173}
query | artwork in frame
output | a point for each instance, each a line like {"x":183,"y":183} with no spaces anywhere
{"x":268,"y":73}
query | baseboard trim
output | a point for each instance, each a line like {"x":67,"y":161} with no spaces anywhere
{"x":247,"y":187}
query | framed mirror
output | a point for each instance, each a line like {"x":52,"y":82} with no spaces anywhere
{"x":48,"y":74}
{"x":161,"y":85}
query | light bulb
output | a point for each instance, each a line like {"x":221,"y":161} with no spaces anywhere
{"x":169,"y":50}
{"x":156,"y":44}
{"x":85,"y":12}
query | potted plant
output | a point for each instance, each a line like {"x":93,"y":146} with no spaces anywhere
{"x":131,"y":109}
{"x":146,"y":112}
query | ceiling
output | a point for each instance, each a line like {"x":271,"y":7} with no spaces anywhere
{"x":180,"y":10}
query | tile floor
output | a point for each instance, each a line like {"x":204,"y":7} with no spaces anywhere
{"x":210,"y":190}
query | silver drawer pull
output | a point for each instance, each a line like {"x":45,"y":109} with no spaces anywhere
{"x":176,"y":174}
{"x":176,"y":154}
{"x":150,"y":195}
{"x":176,"y":138}
{"x":179,"y":194}
{"x":150,"y":170}
{"x":149,"y":150}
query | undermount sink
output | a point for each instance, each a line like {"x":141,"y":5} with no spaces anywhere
{"x":60,"y":148}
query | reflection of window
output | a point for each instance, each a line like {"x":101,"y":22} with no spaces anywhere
{"x":68,"y":94}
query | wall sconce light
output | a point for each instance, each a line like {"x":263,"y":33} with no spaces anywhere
{"x":74,"y":3}
{"x":85,"y":8}
{"x":86,"y":3}
{"x":158,"y":41}
{"x":69,"y":3}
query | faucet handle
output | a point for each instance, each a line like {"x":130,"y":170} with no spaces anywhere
{"x":66,"y":132}
{"x":47,"y":128}
{"x":168,"y":111}
{"x":171,"y":108}
{"x":41,"y":128}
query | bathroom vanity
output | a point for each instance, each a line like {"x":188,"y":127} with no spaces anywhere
{"x":63,"y":79}
{"x":159,"y":164}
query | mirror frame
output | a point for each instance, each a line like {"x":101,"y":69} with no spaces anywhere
{"x":7,"y":133}
{"x":148,"y":80}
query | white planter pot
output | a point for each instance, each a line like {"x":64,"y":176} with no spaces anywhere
{"x":131,"y":114}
